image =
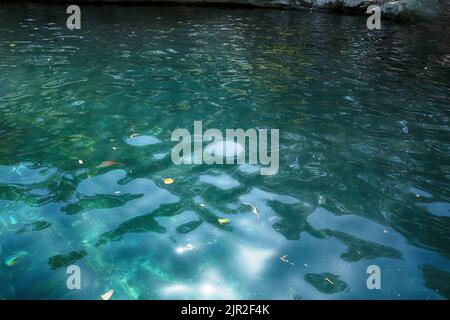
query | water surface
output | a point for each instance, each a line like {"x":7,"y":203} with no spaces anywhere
{"x":85,"y":124}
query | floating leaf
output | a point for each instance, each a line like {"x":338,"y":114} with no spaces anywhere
{"x":107,"y":295}
{"x":223,"y":221}
{"x":284,"y":259}
{"x":12,"y":260}
{"x":168,"y":181}
{"x":108,"y":163}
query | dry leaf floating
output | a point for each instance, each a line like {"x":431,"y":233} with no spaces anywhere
{"x":223,"y":221}
{"x":108,"y":163}
{"x":107,"y":295}
{"x":168,"y":181}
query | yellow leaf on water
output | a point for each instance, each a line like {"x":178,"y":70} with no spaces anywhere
{"x":168,"y":181}
{"x":223,"y":221}
{"x":107,"y":295}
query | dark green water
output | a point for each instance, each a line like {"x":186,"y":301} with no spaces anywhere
{"x":364,"y":155}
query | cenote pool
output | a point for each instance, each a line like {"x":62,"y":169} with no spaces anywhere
{"x":86,"y":118}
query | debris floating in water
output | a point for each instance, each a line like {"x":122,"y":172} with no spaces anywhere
{"x":80,"y":161}
{"x":329,"y":281}
{"x":284,"y":259}
{"x":105,"y":164}
{"x":12,"y":260}
{"x":168,"y":181}
{"x":322,"y":200}
{"x":254,"y":209}
{"x":185,"y":248}
{"x":223,"y":221}
{"x":107,"y":295}
{"x":202,"y":204}
{"x":134,"y":135}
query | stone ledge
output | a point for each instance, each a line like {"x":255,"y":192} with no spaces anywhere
{"x":408,"y":9}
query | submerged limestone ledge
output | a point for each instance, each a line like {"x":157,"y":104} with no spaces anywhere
{"x":390,"y":8}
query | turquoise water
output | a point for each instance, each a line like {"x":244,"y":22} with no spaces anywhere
{"x":85,"y":124}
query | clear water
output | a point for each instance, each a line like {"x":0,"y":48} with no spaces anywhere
{"x":364,"y":160}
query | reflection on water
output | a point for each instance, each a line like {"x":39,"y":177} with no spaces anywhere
{"x":85,"y":124}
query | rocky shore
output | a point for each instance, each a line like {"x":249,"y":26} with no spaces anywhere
{"x":408,"y":9}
